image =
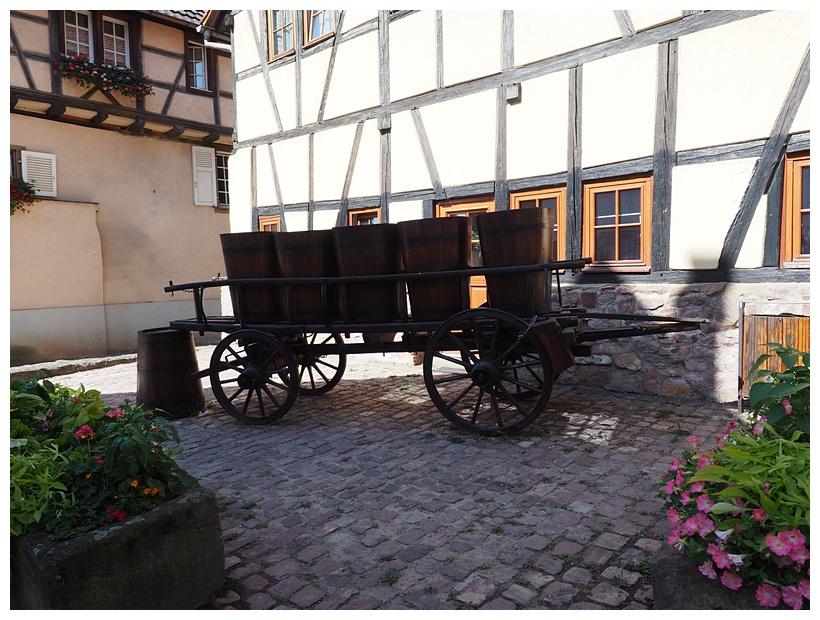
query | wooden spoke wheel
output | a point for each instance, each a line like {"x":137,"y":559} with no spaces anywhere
{"x":320,"y":373}
{"x":253,"y":376}
{"x":487,"y":373}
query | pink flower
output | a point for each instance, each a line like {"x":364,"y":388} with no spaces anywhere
{"x":793,"y":538}
{"x":758,"y":429}
{"x":766,"y":486}
{"x":675,"y":464}
{"x":693,"y":441}
{"x":115,"y":413}
{"x":675,"y":540}
{"x":670,"y":486}
{"x":722,"y":536}
{"x":708,"y":569}
{"x":731,"y":580}
{"x":678,"y":479}
{"x":799,"y":554}
{"x":697,"y":487}
{"x":777,"y":545}
{"x":85,"y":431}
{"x":74,"y":399}
{"x":719,"y":556}
{"x":759,"y":515}
{"x":684,"y":498}
{"x":99,"y":460}
{"x":793,"y":597}
{"x":787,"y":406}
{"x":803,"y":586}
{"x":768,"y":596}
{"x":673,"y":516}
{"x":704,"y":460}
{"x":699,"y":524}
{"x":704,"y":503}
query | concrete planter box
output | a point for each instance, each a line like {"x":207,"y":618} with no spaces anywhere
{"x":169,"y":558}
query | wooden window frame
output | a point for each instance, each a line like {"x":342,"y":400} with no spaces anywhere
{"x":107,"y":19}
{"x":560,"y":196}
{"x":222,"y":179}
{"x":354,"y":216}
{"x":273,"y":221}
{"x":306,"y":20}
{"x":272,"y":53}
{"x":791,"y":256}
{"x":207,"y":59}
{"x":64,"y":24}
{"x":96,"y":34}
{"x":591,"y":190}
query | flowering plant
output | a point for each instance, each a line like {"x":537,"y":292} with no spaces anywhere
{"x":86,"y":72}
{"x":741,"y":511}
{"x":77,"y":464}
{"x":782,"y":397}
{"x":22,"y":195}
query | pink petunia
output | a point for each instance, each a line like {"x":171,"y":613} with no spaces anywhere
{"x":757,"y":429}
{"x":777,"y":545}
{"x":708,"y":569}
{"x":673,"y":516}
{"x":793,"y":597}
{"x":787,"y":406}
{"x":115,"y":413}
{"x":693,"y":441}
{"x":690,"y":526}
{"x":768,"y":596}
{"x":670,"y":486}
{"x":675,"y":464}
{"x":697,"y":487}
{"x":731,"y":580}
{"x":698,"y":524}
{"x":704,"y":502}
{"x":759,"y":515}
{"x":684,"y":498}
{"x":799,"y":554}
{"x":719,"y":557}
{"x":722,"y":536}
{"x":704,"y":460}
{"x":793,"y":538}
{"x":678,"y":479}
{"x":803,"y":586}
{"x":675,"y":540}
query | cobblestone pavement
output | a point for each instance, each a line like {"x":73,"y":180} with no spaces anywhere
{"x":367,"y":498}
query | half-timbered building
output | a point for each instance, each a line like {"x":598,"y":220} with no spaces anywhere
{"x":123,"y":122}
{"x":674,"y":147}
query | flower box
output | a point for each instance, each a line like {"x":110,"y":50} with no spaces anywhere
{"x":171,"y":557}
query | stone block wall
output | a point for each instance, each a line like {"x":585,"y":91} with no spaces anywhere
{"x":700,"y":364}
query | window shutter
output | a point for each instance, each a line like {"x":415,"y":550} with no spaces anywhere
{"x":41,"y":170}
{"x":204,"y":176}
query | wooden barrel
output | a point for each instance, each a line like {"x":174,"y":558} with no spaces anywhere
{"x":309,"y":254}
{"x":253,"y":255}
{"x":517,"y":237}
{"x":166,"y":361}
{"x":368,"y":251}
{"x":439,"y":244}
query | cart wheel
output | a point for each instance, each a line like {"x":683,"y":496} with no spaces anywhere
{"x":253,"y":376}
{"x":487,"y":373}
{"x":320,"y":373}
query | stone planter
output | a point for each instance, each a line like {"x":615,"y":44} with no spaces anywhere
{"x":169,"y":558}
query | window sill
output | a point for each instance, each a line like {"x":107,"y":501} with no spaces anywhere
{"x":199,"y":91}
{"x":614,"y":268}
{"x":797,"y":264}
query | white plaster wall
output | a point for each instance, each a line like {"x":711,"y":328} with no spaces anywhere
{"x":802,"y":121}
{"x":705,"y":199}
{"x":291,"y":158}
{"x":645,"y":18}
{"x":297,"y":221}
{"x":537,"y":127}
{"x":408,"y":168}
{"x":462,"y":138}
{"x":325,"y":219}
{"x":355,"y":82}
{"x":751,"y":253}
{"x":405,"y":210}
{"x":355,"y":18}
{"x":618,"y":113}
{"x":332,"y":151}
{"x":472,"y":44}
{"x":283,"y":81}
{"x":365,"y":181}
{"x":265,"y":183}
{"x":254,"y":113}
{"x":733,"y":79}
{"x":314,"y":75}
{"x":546,"y":33}
{"x":239,"y":175}
{"x":413,"y":55}
{"x":245,"y":54}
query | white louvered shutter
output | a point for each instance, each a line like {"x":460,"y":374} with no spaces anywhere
{"x":204,"y":176}
{"x":41,"y":170}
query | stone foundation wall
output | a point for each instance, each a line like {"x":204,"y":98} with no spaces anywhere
{"x":693,"y":364}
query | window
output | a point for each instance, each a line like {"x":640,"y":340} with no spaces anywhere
{"x":78,"y":34}
{"x":617,"y":224}
{"x":115,"y":43}
{"x":269,"y":223}
{"x":794,"y":237}
{"x":280,"y":33}
{"x":318,"y":24}
{"x":41,"y":170}
{"x":197,"y":66}
{"x":363,"y":217}
{"x":547,"y":199}
{"x":223,"y":197}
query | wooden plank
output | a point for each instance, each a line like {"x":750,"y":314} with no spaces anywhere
{"x":763,"y":275}
{"x":664,"y":158}
{"x":624,"y":23}
{"x":427,"y":151}
{"x":761,"y":329}
{"x":330,"y":65}
{"x":263,"y":62}
{"x":21,"y":58}
{"x":765,"y":167}
{"x":724,"y":152}
{"x":275,"y":174}
{"x":774,"y":214}
{"x":575,"y":194}
{"x":299,"y":49}
{"x":501,"y":194}
{"x":311,"y":159}
{"x":439,"y":50}
{"x":341,"y":219}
